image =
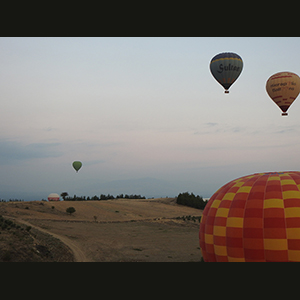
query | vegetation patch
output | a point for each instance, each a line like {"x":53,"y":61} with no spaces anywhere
{"x":190,"y":218}
{"x":191,"y":200}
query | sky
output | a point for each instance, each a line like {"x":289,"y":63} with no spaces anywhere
{"x":143,"y":114}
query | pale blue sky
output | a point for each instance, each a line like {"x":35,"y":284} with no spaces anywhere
{"x":137,"y":108}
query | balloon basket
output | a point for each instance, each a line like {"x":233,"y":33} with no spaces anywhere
{"x":284,"y":114}
{"x":226,"y":92}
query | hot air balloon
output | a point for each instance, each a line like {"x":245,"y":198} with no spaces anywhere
{"x":253,"y":218}
{"x":77,"y":165}
{"x":53,"y":197}
{"x":226,"y":68}
{"x":283,"y":88}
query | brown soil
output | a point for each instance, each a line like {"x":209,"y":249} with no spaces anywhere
{"x":115,"y":230}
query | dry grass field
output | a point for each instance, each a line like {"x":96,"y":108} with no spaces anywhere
{"x":120,"y":230}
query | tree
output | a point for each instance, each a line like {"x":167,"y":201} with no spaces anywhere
{"x":70,"y":210}
{"x":191,"y":200}
{"x":64,"y":195}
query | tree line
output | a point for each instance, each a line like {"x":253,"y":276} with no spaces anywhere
{"x":191,"y":200}
{"x":66,"y":197}
{"x":12,"y":200}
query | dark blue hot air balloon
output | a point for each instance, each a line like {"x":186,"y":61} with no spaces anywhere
{"x":226,"y":68}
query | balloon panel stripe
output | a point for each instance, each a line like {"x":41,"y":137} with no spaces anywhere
{"x":280,"y":77}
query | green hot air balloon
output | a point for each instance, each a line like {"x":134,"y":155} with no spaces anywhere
{"x":226,"y":68}
{"x":77,"y":165}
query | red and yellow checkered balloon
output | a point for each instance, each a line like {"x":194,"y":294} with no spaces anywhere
{"x":253,"y":218}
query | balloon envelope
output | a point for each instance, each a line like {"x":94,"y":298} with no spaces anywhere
{"x":77,"y":165}
{"x":53,"y":197}
{"x":226,"y":68}
{"x":283,"y":88}
{"x":253,"y":218}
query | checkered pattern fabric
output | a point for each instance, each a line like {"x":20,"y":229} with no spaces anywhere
{"x":253,"y":218}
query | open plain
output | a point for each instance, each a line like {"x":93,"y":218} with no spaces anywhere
{"x":119,"y":230}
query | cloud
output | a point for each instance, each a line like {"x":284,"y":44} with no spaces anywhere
{"x":286,"y":130}
{"x":217,"y":128}
{"x":211,"y":124}
{"x":93,"y":162}
{"x":48,"y":129}
{"x":12,"y":151}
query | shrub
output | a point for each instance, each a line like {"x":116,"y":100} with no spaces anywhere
{"x":70,"y":210}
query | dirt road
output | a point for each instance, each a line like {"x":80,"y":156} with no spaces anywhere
{"x":116,"y":230}
{"x":77,"y":252}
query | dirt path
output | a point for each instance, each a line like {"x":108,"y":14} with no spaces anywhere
{"x":123,"y":230}
{"x":77,"y":252}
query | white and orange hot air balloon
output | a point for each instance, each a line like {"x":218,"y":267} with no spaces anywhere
{"x":53,"y":197}
{"x":283,"y":88}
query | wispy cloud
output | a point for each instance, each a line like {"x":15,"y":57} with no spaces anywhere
{"x":286,"y":130}
{"x":48,"y":129}
{"x":211,"y":124}
{"x":12,"y":151}
{"x":93,"y":162}
{"x":217,"y":128}
{"x":253,"y":129}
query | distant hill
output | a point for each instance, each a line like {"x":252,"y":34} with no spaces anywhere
{"x":149,"y":187}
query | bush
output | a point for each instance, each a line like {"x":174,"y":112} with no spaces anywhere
{"x":70,"y":210}
{"x":191,"y":200}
